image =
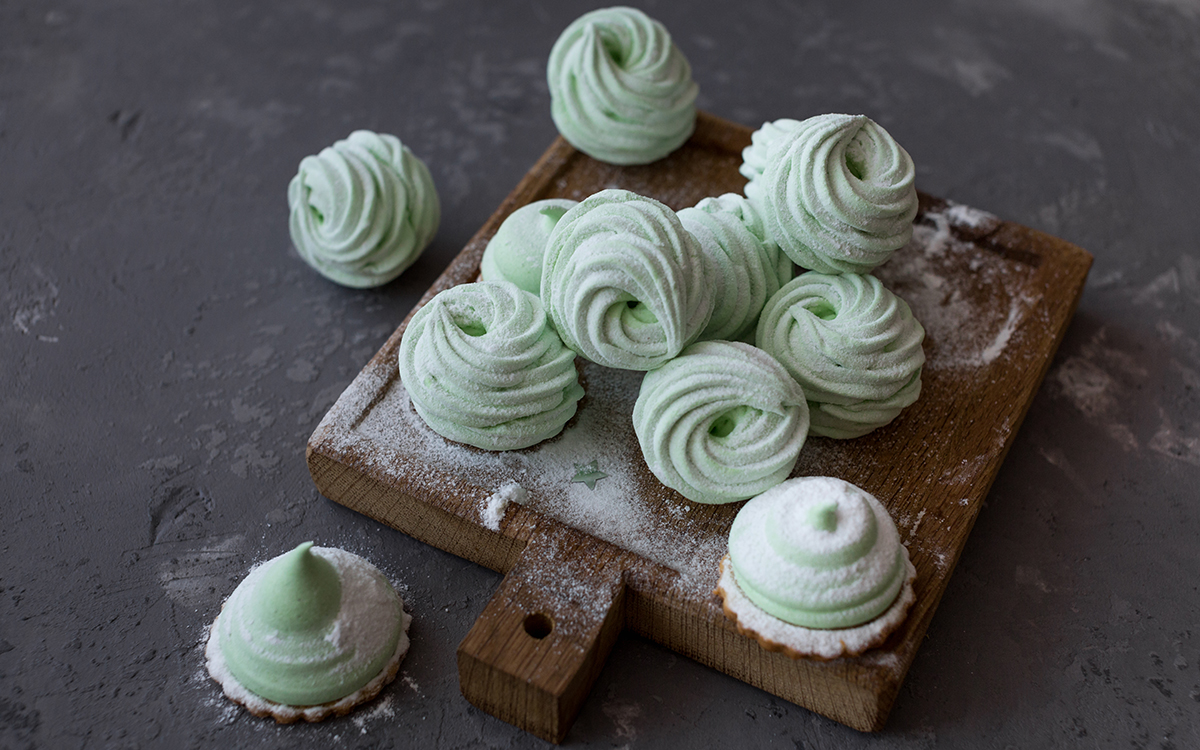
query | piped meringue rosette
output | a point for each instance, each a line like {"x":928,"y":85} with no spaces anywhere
{"x":816,"y":568}
{"x":746,"y":268}
{"x":721,"y":422}
{"x":624,"y":283}
{"x":836,"y":192}
{"x":516,"y":250}
{"x":482,"y":367}
{"x":853,"y":345}
{"x":307,"y":635}
{"x":755,"y":157}
{"x":363,"y":209}
{"x":620,"y":90}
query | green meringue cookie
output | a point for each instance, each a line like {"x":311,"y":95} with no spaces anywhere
{"x":745,"y":268}
{"x":516,"y":249}
{"x":836,"y":192}
{"x":817,"y":552}
{"x":362,"y":210}
{"x":721,"y":422}
{"x":755,"y":157}
{"x":624,"y":282}
{"x":483,"y":367}
{"x":311,"y":626}
{"x":852,"y":344}
{"x":620,"y":90}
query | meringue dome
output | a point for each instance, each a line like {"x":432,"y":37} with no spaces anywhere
{"x":817,"y":552}
{"x":836,"y":191}
{"x":851,"y":344}
{"x":620,"y":90}
{"x":311,"y":626}
{"x":516,"y":250}
{"x":482,"y":367}
{"x":362,"y":210}
{"x":721,"y":422}
{"x":624,"y":282}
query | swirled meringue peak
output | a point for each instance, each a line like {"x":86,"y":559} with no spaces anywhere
{"x":852,"y":344}
{"x":311,"y":626}
{"x":363,"y":209}
{"x":721,"y":422}
{"x":746,"y":268}
{"x":837,"y":192}
{"x":516,"y":249}
{"x":620,"y":90}
{"x":624,"y":282}
{"x":818,"y":552}
{"x":482,"y":367}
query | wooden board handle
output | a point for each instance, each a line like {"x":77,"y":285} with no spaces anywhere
{"x":541,"y":641}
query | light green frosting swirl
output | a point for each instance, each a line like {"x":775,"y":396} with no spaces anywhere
{"x":745,"y":268}
{"x":817,"y":552}
{"x":482,"y":367}
{"x":837,"y":193}
{"x":516,"y":249}
{"x":852,"y":344}
{"x":362,"y":210}
{"x":755,"y":156}
{"x":624,"y":282}
{"x":310,"y":626}
{"x":620,"y":90}
{"x":721,"y":422}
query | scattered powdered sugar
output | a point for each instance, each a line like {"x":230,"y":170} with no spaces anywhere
{"x":966,"y":295}
{"x":496,"y":504}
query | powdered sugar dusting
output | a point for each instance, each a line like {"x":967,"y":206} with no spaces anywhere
{"x":496,"y":504}
{"x":826,"y":644}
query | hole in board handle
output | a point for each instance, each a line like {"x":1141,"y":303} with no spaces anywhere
{"x":538,"y":625}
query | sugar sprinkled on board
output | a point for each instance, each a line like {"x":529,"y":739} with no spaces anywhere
{"x":495,"y":505}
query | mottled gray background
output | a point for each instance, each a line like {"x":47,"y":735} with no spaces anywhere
{"x":164,"y":354}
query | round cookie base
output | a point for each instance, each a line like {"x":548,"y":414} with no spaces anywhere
{"x":285,"y":714}
{"x":799,"y":642}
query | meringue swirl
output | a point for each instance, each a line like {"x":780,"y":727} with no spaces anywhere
{"x":624,"y":282}
{"x":837,"y":193}
{"x":745,"y":268}
{"x":620,"y":90}
{"x":482,"y":367}
{"x":755,"y":156}
{"x":721,"y":422}
{"x":516,"y":249}
{"x":310,"y":626}
{"x":817,"y":552}
{"x":853,"y":345}
{"x":362,"y":210}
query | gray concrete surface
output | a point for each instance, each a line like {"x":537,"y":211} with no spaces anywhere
{"x":164,"y":354}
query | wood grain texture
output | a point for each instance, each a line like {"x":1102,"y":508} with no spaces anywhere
{"x":995,"y":299}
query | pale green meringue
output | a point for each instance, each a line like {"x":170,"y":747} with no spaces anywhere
{"x":836,"y":192}
{"x":852,"y":344}
{"x":516,"y":249}
{"x":363,"y":209}
{"x":620,"y":90}
{"x":311,"y":626}
{"x":817,"y":552}
{"x":482,"y":367}
{"x":755,"y":156}
{"x":745,"y":268}
{"x":624,"y":282}
{"x":721,"y":422}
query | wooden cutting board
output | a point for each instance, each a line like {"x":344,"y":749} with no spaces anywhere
{"x":584,"y":562}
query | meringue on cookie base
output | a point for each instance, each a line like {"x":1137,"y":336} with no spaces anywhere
{"x":285,"y":714}
{"x":798,"y":642}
